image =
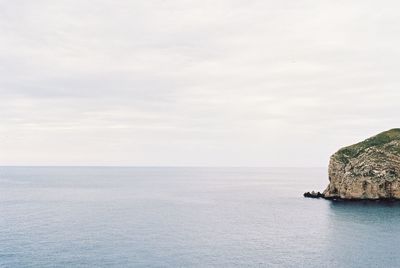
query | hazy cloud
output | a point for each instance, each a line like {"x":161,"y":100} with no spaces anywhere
{"x":251,"y":83}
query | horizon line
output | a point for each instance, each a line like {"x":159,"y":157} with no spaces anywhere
{"x":161,"y":166}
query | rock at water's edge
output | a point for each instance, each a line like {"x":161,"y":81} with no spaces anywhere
{"x":366,"y":170}
{"x":313,"y":194}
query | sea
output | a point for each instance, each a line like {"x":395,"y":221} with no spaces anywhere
{"x":187,"y":217}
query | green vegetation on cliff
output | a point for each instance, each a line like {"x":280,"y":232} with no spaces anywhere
{"x":383,"y":140}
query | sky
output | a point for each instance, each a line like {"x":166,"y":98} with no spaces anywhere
{"x":194,"y":83}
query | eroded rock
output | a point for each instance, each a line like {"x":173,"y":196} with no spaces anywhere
{"x":313,"y":194}
{"x":367,"y":170}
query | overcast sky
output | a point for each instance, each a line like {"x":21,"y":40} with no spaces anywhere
{"x":194,"y":83}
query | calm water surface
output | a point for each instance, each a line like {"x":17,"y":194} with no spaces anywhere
{"x":187,"y":217}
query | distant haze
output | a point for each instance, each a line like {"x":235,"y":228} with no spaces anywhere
{"x":194,"y":83}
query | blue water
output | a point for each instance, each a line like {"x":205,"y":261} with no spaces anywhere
{"x":187,"y":217}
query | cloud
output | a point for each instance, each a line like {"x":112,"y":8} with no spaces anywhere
{"x":194,"y":82}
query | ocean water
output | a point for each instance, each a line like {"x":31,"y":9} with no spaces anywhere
{"x":187,"y":217}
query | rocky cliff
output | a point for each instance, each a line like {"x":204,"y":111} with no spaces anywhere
{"x":367,"y":170}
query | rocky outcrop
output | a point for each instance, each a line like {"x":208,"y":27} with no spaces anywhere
{"x":366,"y":170}
{"x":313,"y":194}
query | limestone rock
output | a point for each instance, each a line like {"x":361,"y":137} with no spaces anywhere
{"x":367,"y":170}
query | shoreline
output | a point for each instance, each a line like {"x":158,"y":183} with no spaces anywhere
{"x":318,"y":195}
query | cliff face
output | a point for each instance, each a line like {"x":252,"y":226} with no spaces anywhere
{"x":367,"y":170}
